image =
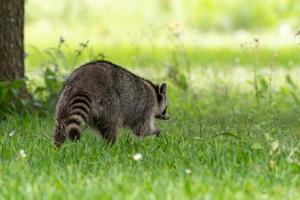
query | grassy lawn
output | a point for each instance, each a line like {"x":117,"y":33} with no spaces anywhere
{"x":225,"y":140}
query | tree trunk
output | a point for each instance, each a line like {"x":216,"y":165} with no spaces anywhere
{"x":11,"y":39}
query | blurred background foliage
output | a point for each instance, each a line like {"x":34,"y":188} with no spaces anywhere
{"x":110,"y":22}
{"x":151,"y":32}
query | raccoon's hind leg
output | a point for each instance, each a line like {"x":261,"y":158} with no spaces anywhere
{"x":108,"y":131}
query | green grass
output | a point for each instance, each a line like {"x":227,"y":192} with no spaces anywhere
{"x":237,"y":146}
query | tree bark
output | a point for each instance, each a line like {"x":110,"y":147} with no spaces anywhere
{"x":11,"y":39}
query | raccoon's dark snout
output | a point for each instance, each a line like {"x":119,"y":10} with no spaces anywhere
{"x":164,"y":116}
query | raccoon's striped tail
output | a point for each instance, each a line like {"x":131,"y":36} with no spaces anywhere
{"x":78,"y":116}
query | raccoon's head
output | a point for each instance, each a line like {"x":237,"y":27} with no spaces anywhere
{"x":161,"y":93}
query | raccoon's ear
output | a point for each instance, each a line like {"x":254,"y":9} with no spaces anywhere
{"x":162,"y":88}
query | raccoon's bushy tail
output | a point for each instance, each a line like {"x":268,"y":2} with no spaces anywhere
{"x":79,"y":109}
{"x":79,"y":113}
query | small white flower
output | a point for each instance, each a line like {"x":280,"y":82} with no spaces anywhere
{"x":10,"y":134}
{"x":22,"y":153}
{"x":137,"y":157}
{"x":188,"y":171}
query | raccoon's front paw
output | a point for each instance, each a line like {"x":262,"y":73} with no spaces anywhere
{"x":156,"y":132}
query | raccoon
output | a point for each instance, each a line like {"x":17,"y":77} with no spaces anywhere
{"x":105,"y":97}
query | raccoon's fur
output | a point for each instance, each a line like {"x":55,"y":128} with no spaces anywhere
{"x":106,"y":96}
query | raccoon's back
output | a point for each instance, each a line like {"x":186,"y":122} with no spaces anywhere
{"x":90,"y":78}
{"x":100,"y":81}
{"x":101,"y":77}
{"x":79,"y":90}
